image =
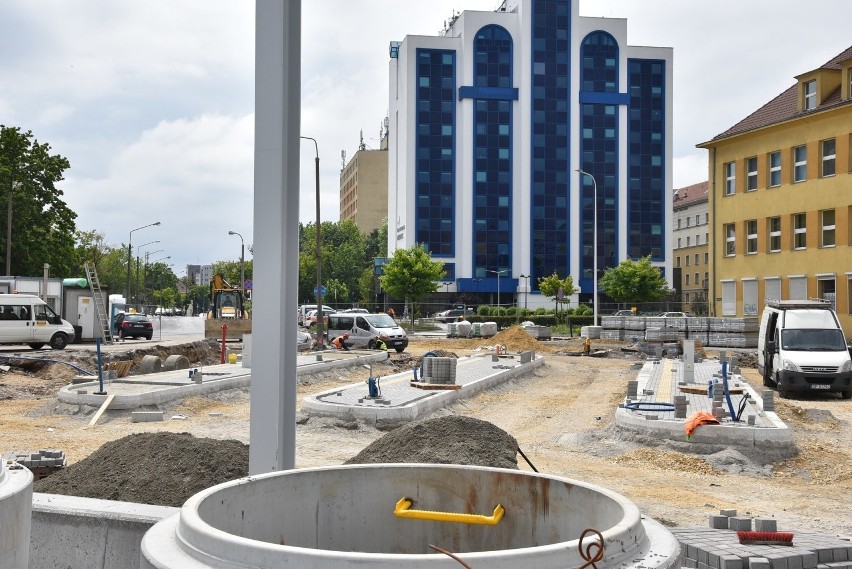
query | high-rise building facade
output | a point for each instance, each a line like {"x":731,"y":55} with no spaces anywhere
{"x":489,"y":123}
{"x":691,"y":235}
{"x":781,"y":198}
{"x":364,"y":189}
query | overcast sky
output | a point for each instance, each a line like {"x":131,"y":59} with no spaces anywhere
{"x":152,"y":101}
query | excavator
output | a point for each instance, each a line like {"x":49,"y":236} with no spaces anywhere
{"x":227,"y":307}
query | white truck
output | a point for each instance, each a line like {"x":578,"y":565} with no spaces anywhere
{"x":26,"y":319}
{"x":801,"y":347}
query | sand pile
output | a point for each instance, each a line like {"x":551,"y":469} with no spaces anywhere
{"x":444,"y":440}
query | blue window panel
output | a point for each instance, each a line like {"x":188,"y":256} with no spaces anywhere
{"x":550,"y":142}
{"x":492,"y":137}
{"x":646,"y":132}
{"x":435,"y":150}
{"x":599,"y":153}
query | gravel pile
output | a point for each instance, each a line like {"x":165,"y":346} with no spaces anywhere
{"x":444,"y":440}
{"x":162,"y":469}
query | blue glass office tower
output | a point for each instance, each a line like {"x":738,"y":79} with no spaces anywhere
{"x":489,"y":122}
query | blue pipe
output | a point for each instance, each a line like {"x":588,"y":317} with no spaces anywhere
{"x":734,"y":415}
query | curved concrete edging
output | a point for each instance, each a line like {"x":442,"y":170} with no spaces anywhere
{"x":429,"y":402}
{"x":16,"y":491}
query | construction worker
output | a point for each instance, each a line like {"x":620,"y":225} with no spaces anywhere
{"x":340,"y":342}
{"x":380,"y":345}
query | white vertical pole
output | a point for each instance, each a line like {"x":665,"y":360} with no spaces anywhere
{"x":272,"y":429}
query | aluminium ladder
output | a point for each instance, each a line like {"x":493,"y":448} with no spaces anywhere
{"x":98,"y":297}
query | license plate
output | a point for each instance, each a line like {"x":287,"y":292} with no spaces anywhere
{"x":820,"y":386}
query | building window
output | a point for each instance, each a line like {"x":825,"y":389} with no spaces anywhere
{"x":706,"y":282}
{"x":730,"y":178}
{"x":775,"y":169}
{"x":678,"y":242}
{"x":677,"y":261}
{"x":751,"y":174}
{"x":774,"y":234}
{"x":687,"y":221}
{"x":687,"y":279}
{"x":827,"y":232}
{"x":696,"y":258}
{"x":706,"y":258}
{"x":688,"y":238}
{"x":678,"y":223}
{"x":751,"y":236}
{"x":730,"y":240}
{"x":810,"y":95}
{"x":697,"y":219}
{"x":829,"y":153}
{"x":696,"y":278}
{"x":800,"y":164}
{"x":687,"y":260}
{"x":800,"y":231}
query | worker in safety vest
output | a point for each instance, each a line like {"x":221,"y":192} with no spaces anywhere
{"x":380,"y":345}
{"x":339,"y":342}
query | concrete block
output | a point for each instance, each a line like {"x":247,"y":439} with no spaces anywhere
{"x":718,"y":522}
{"x":146,"y":416}
{"x":763,"y":524}
{"x":795,"y":562}
{"x":728,"y":561}
{"x":758,"y":563}
{"x":809,"y":560}
{"x":739,"y":523}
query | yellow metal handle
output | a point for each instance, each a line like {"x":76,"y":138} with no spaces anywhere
{"x":403,"y":510}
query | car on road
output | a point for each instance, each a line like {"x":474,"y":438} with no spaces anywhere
{"x":131,"y":325}
{"x":675,"y":315}
{"x":311,"y":319}
{"x":453,"y":315}
{"x":624,"y":313}
{"x":356,"y":311}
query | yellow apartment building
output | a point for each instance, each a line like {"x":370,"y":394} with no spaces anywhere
{"x":780,"y":198}
{"x":364,"y":188}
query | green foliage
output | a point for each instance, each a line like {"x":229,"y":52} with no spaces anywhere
{"x":583,"y":310}
{"x":411,"y":274}
{"x":43,"y":226}
{"x":367,"y":285}
{"x":549,"y":286}
{"x":634,"y":281}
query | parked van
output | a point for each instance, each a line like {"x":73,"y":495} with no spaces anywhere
{"x":365,"y":329}
{"x":305,"y":308}
{"x":801,"y":347}
{"x":26,"y":319}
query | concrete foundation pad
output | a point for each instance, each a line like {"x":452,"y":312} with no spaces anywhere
{"x":146,"y":416}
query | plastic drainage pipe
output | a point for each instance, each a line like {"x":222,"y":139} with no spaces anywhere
{"x":734,"y":414}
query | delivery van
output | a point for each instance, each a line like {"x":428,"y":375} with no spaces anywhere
{"x":801,"y":347}
{"x":365,"y":329}
{"x":26,"y":319}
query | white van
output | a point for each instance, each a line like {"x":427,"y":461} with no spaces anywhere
{"x":26,"y":319}
{"x":365,"y":329}
{"x":801,"y":347}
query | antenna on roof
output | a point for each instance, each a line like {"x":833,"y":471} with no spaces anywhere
{"x":342,"y":160}
{"x":361,"y":145}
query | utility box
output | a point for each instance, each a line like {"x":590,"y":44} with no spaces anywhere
{"x":80,"y":312}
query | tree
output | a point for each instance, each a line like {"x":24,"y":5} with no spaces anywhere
{"x":411,"y":274}
{"x":42,"y":224}
{"x":551,"y":285}
{"x":367,"y":286}
{"x":634,"y":281}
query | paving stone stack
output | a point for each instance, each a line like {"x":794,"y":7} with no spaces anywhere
{"x":680,"y":406}
{"x":718,"y":547}
{"x":632,"y":389}
{"x":41,"y":463}
{"x":527,"y":357}
{"x":440,"y":370}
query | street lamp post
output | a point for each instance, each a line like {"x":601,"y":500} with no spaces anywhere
{"x":145,"y":274}
{"x":138,"y":259}
{"x":242,"y":262}
{"x":159,"y":277}
{"x":129,"y":253}
{"x":594,"y":243}
{"x":498,"y":273}
{"x":320,"y":314}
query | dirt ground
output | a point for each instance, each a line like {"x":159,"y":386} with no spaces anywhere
{"x":561,"y":416}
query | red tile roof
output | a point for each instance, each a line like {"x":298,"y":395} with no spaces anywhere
{"x":785,"y":106}
{"x":690,"y":194}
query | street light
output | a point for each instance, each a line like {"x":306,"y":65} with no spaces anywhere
{"x":145,"y":274}
{"x":159,"y":281}
{"x":498,"y":273}
{"x":242,"y":262}
{"x":594,"y":243}
{"x":320,"y":314}
{"x":129,"y":252}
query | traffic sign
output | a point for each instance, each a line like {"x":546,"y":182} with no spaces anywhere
{"x":321,"y":290}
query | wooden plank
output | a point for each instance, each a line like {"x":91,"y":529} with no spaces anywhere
{"x":432,"y":386}
{"x":702,"y":389}
{"x":102,"y":409}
